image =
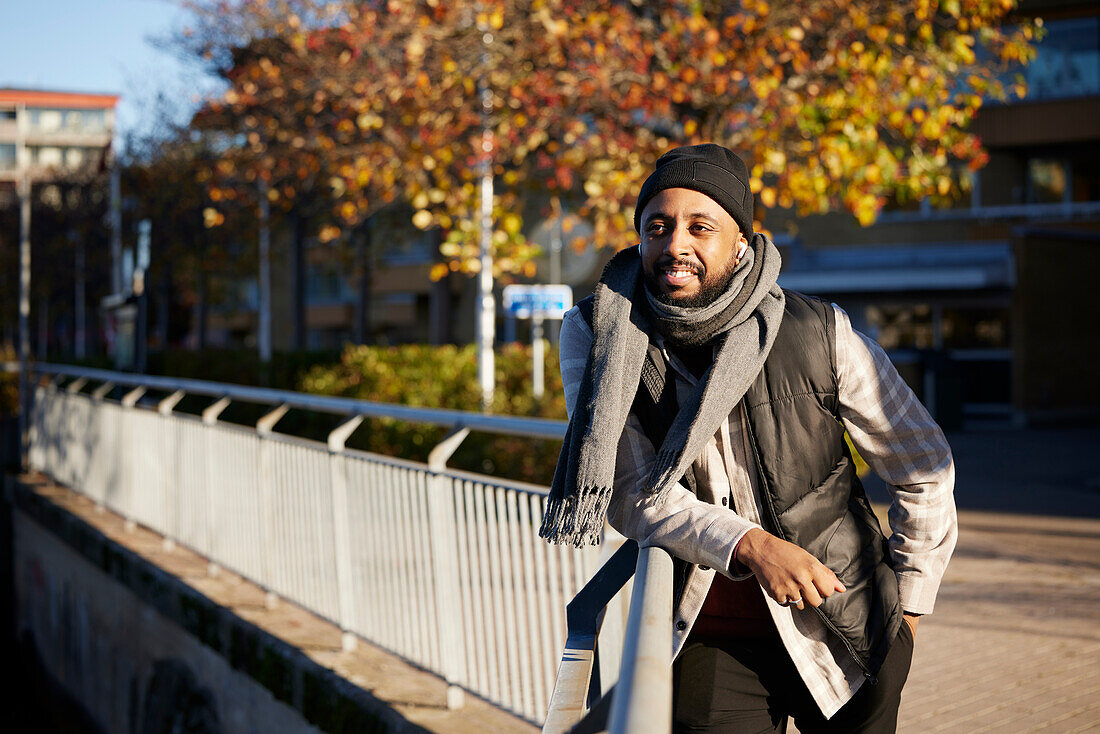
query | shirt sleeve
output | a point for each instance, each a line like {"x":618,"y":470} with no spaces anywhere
{"x":689,"y":528}
{"x":901,"y":442}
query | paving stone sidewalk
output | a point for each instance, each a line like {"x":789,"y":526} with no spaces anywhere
{"x":1014,"y":644}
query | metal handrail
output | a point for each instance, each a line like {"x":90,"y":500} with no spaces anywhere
{"x":641,"y":700}
{"x":510,"y":425}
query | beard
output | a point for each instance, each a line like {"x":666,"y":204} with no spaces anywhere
{"x":710,"y":285}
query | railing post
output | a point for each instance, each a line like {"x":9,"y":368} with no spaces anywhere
{"x":341,"y":533}
{"x":209,"y":419}
{"x":101,"y":392}
{"x":76,"y":385}
{"x":129,"y":400}
{"x":98,"y":395}
{"x":448,"y":594}
{"x":264,"y":427}
{"x":170,"y":485}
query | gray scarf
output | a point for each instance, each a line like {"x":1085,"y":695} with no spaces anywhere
{"x":746,"y":316}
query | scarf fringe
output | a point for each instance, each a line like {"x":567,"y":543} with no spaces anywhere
{"x":576,"y":519}
{"x":664,"y":473}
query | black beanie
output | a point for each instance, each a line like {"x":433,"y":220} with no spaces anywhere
{"x":709,"y":169}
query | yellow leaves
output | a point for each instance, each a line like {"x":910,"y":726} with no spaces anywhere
{"x":593,"y":188}
{"x":422,"y":219}
{"x":211,"y":217}
{"x":511,"y":223}
{"x":767,"y":196}
{"x":931,"y":128}
{"x":755,"y":185}
{"x":943,"y":185}
{"x":690,"y":128}
{"x":866,"y":209}
{"x":795,"y":33}
{"x":438,"y":272}
{"x":369,"y":121}
{"x":328,"y":233}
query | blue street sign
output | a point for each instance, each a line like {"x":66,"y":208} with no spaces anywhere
{"x":538,"y":301}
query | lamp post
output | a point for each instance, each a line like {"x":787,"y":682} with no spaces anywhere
{"x":486,"y":315}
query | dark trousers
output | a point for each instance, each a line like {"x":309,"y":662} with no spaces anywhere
{"x":750,"y":686}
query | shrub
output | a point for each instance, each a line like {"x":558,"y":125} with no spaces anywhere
{"x":446,"y":377}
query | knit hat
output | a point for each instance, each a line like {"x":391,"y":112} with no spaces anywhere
{"x":709,"y":169}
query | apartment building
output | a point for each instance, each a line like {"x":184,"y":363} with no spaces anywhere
{"x":52,"y":133}
{"x":56,"y":141}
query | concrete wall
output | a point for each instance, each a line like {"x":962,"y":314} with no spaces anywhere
{"x":131,"y":668}
{"x":121,"y":645}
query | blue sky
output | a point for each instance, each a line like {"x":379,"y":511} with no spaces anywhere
{"x":98,"y":46}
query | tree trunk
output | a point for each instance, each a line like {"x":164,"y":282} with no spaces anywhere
{"x":364,"y":272}
{"x":200,"y":310}
{"x":439,"y":302}
{"x":298,"y":277}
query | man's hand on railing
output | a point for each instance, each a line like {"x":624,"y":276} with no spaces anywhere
{"x":786,"y":572}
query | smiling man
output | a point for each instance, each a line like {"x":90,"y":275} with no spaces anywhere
{"x":708,"y":410}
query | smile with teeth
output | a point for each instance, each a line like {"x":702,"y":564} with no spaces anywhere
{"x":679,"y":275}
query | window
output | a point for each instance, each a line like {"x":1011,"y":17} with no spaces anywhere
{"x":901,"y":327}
{"x":46,"y":120}
{"x":976,"y":328}
{"x":94,"y":121}
{"x":7,"y":157}
{"x":74,"y":157}
{"x":1067,"y":62}
{"x":327,"y":283}
{"x":1046,"y":181}
{"x":46,"y":157}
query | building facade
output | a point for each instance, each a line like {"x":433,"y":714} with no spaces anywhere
{"x":985,"y":305}
{"x":58,"y":143}
{"x":53,"y":134}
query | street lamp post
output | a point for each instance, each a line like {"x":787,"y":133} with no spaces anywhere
{"x":486,"y":316}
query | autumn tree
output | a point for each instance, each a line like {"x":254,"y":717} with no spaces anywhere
{"x":833,"y":104}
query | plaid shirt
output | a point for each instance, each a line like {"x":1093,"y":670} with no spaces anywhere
{"x":892,"y":431}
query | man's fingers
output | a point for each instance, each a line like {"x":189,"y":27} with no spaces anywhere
{"x":811,"y":597}
{"x":827,"y":583}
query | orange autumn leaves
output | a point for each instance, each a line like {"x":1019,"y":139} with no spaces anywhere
{"x":833,"y":104}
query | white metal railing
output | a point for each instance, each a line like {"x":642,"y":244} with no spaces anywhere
{"x":439,"y":566}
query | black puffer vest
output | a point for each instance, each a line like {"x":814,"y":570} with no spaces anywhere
{"x":811,"y":494}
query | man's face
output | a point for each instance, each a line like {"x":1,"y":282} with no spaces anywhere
{"x":689,"y":247}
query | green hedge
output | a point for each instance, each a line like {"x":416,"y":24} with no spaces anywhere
{"x":446,"y":377}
